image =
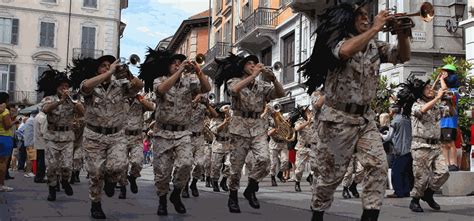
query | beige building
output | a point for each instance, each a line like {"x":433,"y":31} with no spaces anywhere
{"x":37,"y":33}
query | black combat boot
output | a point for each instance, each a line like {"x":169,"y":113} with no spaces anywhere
{"x":297,"y":187}
{"x":215,"y":186}
{"x":317,"y":215}
{"x":274,"y":182}
{"x":133,"y":184}
{"x":428,"y":198}
{"x":370,"y":215}
{"x":280,"y":177}
{"x":52,"y":193}
{"x":175,"y":199}
{"x":233,"y":202}
{"x":415,"y":205}
{"x":249,"y":193}
{"x":185,"y":193}
{"x":345,"y":193}
{"x":76,"y":176}
{"x":208,"y":181}
{"x":310,"y":179}
{"x":57,"y":187}
{"x":67,"y":187}
{"x":223,"y":184}
{"x":123,"y":192}
{"x":96,"y":211}
{"x":163,"y":207}
{"x":73,"y":179}
{"x":193,"y":187}
{"x":109,"y":188}
{"x":353,"y":189}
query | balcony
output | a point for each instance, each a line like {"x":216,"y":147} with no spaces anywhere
{"x":310,"y":8}
{"x":258,"y":29}
{"x":219,"y":50}
{"x":24,"y":97}
{"x":86,"y":53}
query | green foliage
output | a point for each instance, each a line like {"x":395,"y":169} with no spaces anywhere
{"x":384,"y":93}
{"x":466,"y":89}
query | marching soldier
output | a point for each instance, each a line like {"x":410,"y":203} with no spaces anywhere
{"x":247,"y":128}
{"x":136,"y":106}
{"x":220,"y":147}
{"x":346,"y":59}
{"x":278,"y":153}
{"x":105,"y":145}
{"x":353,"y":176}
{"x":304,"y":152}
{"x":174,"y":86}
{"x":60,"y":110}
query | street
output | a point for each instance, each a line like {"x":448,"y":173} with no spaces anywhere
{"x":28,"y":202}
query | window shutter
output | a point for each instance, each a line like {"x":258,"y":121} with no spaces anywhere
{"x":12,"y":77}
{"x":15,"y":30}
{"x":43,"y":34}
{"x":50,"y":35}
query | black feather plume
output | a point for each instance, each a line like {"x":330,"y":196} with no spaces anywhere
{"x":50,"y":80}
{"x":155,"y":65}
{"x":228,"y":68}
{"x":410,"y":92}
{"x":83,"y":68}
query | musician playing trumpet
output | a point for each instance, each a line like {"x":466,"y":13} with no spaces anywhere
{"x":248,"y":130}
{"x":346,"y":59}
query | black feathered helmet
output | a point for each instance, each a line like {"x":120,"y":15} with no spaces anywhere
{"x":50,"y":80}
{"x":156,"y":65}
{"x":410,"y":92}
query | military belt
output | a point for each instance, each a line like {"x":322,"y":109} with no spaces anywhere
{"x":351,"y":108}
{"x":248,"y":114}
{"x":172,"y":127}
{"x":218,"y":138}
{"x":196,"y":134}
{"x":59,"y":128}
{"x":133,"y":132}
{"x":103,"y":130}
{"x":427,"y":141}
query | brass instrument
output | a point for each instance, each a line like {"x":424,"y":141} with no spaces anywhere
{"x":200,"y":60}
{"x":284,"y":131}
{"x":208,"y":135}
{"x":124,"y":71}
{"x":403,"y":21}
{"x":211,"y":97}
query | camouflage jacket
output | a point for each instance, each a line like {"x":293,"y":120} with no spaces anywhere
{"x":62,"y":116}
{"x":426,"y":125}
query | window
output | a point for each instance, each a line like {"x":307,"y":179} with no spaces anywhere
{"x":7,"y":77}
{"x":47,"y":35}
{"x":88,"y":42}
{"x":90,"y":3}
{"x":9,"y":31}
{"x":41,"y":69}
{"x":227,"y":32}
{"x":304,"y":45}
{"x":227,"y":1}
{"x":218,"y":36}
{"x":219,"y":6}
{"x":49,"y":1}
{"x":246,"y":11}
{"x":267,"y":56}
{"x":264,"y":3}
{"x":288,"y":58}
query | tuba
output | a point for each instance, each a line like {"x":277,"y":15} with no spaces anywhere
{"x":284,"y":130}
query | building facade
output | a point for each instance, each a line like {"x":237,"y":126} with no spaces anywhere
{"x":38,"y":33}
{"x":468,"y":26}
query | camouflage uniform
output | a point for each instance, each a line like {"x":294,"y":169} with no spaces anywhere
{"x":59,"y":140}
{"x":207,"y":159}
{"x":220,"y":150}
{"x":197,"y":139}
{"x":172,"y":138}
{"x":304,"y":152}
{"x":134,"y":136}
{"x":105,"y":145}
{"x":355,"y":173}
{"x":345,"y":128}
{"x":278,"y":155}
{"x":77,"y":162}
{"x":429,"y":166}
{"x":248,"y":134}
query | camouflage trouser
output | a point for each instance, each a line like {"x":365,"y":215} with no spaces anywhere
{"x":58,"y":160}
{"x":106,"y":158}
{"x":168,"y":153}
{"x":135,"y":157}
{"x":356,"y":169}
{"x":240,"y":147}
{"x":249,"y":161}
{"x":77,"y":160}
{"x":335,"y":145}
{"x":207,"y":160}
{"x":220,"y":160}
{"x":303,"y":156}
{"x":198,"y":156}
{"x":429,"y":170}
{"x":278,"y":155}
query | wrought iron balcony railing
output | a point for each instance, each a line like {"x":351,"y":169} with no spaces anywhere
{"x":86,"y":53}
{"x":260,"y":18}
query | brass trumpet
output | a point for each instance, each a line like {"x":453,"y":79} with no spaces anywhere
{"x":403,"y":21}
{"x":200,"y":60}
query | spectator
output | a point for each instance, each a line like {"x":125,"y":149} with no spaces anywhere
{"x":39,"y":127}
{"x":6,"y":139}
{"x":21,"y":144}
{"x":146,"y":149}
{"x":28,"y":136}
{"x":399,"y":134}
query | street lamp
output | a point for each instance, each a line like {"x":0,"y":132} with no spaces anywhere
{"x":457,"y":7}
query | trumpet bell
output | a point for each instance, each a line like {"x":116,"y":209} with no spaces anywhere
{"x":134,"y":59}
{"x":277,"y":107}
{"x":211,"y":96}
{"x":200,"y":59}
{"x":427,"y":11}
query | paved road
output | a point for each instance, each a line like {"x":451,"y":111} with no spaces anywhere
{"x":28,"y":202}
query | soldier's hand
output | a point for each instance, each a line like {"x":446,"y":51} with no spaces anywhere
{"x":441,"y":92}
{"x":113,"y":66}
{"x":381,"y":19}
{"x":257,"y":69}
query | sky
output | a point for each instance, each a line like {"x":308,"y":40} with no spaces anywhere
{"x":149,"y":21}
